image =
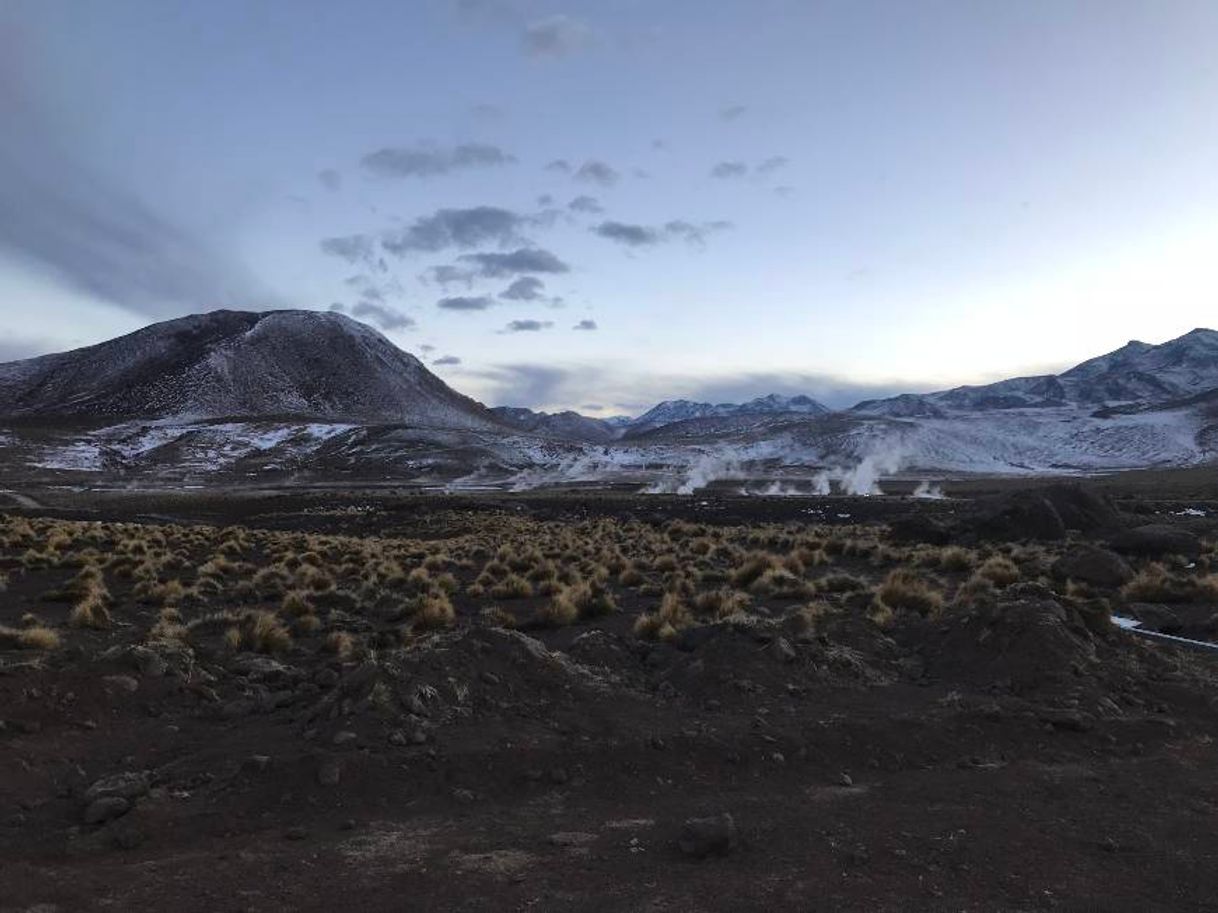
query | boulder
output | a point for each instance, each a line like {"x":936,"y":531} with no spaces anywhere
{"x":1094,"y":565}
{"x":1155,"y":540}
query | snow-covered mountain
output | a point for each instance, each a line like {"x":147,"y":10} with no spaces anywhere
{"x":1135,"y":373}
{"x":234,"y":363}
{"x":680,"y":410}
{"x":566,"y":426}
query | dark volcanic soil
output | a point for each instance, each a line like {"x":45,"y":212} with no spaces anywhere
{"x":1009,"y":751}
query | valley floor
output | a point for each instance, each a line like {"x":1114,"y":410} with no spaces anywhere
{"x":284,"y":700}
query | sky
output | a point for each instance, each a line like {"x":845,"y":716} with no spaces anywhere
{"x":598,"y":205}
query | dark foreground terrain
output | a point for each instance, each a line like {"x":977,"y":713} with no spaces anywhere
{"x":278,"y":700}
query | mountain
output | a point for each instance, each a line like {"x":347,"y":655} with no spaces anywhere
{"x":1135,"y":373}
{"x":235,"y":363}
{"x":672,"y":411}
{"x":566,"y":426}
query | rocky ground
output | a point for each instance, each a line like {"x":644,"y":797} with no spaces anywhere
{"x":276,"y":701}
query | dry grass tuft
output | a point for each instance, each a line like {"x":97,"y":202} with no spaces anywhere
{"x":904,"y":590}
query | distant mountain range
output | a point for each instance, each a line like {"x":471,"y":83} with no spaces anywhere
{"x":1136,"y":372}
{"x":313,"y":391}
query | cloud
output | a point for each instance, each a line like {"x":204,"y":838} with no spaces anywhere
{"x":92,"y":233}
{"x":524,"y":260}
{"x":352,"y":248}
{"x":545,"y":200}
{"x":597,"y":172}
{"x":330,"y":178}
{"x":447,"y":228}
{"x":732,"y":112}
{"x":643,"y":235}
{"x":585,"y":325}
{"x":486,"y":111}
{"x":384,"y":317}
{"x":555,"y":36}
{"x":586,"y":204}
{"x":772,"y":164}
{"x":465,"y":303}
{"x":625,"y":233}
{"x":527,"y":326}
{"x":526,"y":288}
{"x":730,"y":170}
{"x":428,"y":160}
{"x":694,"y":234}
{"x":561,"y":166}
{"x":447,"y":360}
{"x":446,"y":274}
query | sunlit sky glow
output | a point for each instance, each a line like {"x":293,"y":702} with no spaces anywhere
{"x":838,"y":198}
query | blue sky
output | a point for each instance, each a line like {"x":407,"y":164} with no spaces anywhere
{"x":838,"y":198}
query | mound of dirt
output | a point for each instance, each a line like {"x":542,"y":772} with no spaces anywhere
{"x":1091,"y":564}
{"x":1155,"y":540}
{"x":1025,"y":641}
{"x":1043,"y":513}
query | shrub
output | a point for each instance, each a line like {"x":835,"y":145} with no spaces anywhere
{"x":905,"y":590}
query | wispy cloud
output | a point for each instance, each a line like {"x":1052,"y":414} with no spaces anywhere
{"x":430,"y":160}
{"x":556,"y":36}
{"x":465,"y":303}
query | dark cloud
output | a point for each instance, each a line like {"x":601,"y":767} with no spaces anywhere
{"x":695,"y":234}
{"x":643,"y":235}
{"x":527,"y":326}
{"x":560,"y":165}
{"x":555,"y":36}
{"x":447,"y":360}
{"x":446,"y":274}
{"x":772,"y":164}
{"x":586,"y":204}
{"x":585,"y":325}
{"x":447,"y":228}
{"x":352,"y":248}
{"x":386,"y":318}
{"x":625,"y":233}
{"x":597,"y":172}
{"x":732,"y":112}
{"x":524,"y":260}
{"x":330,"y":178}
{"x":465,"y":303}
{"x":545,"y":200}
{"x":426,"y":347}
{"x":92,"y":233}
{"x":427,"y":160}
{"x":730,"y":170}
{"x":526,"y":288}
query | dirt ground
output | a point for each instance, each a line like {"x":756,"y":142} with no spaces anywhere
{"x":383,"y":719}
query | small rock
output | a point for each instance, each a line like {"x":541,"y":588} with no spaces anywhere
{"x":127,"y":786}
{"x":106,"y":809}
{"x":463,"y":795}
{"x":490,"y":678}
{"x":344,"y":737}
{"x":258,"y":763}
{"x":844,"y":779}
{"x":329,"y":772}
{"x":703,"y":837}
{"x":571,"y":838}
{"x":781,"y":650}
{"x":295,"y":833}
{"x":397,"y":737}
{"x":122,"y":683}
